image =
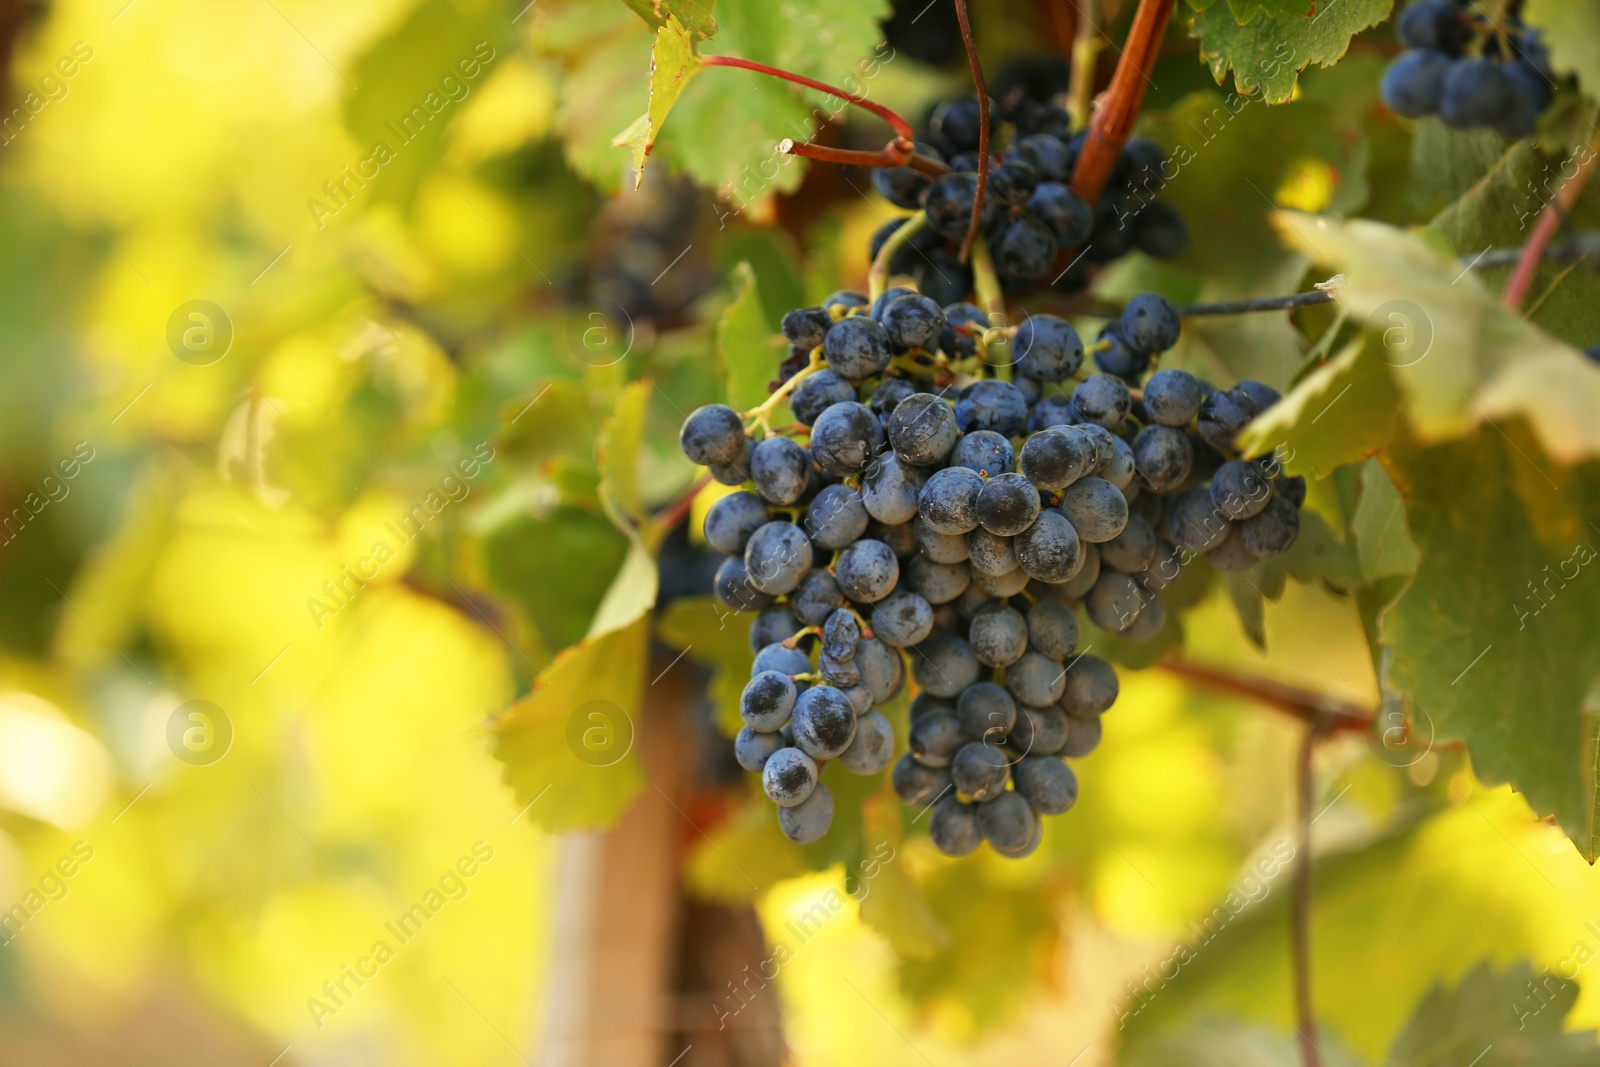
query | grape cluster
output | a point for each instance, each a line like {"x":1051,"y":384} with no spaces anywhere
{"x":1460,"y":67}
{"x":1030,"y":215}
{"x":965,"y":527}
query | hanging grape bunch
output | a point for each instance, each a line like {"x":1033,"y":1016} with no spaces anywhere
{"x":953,"y":492}
{"x":1469,"y":70}
{"x":1029,"y":214}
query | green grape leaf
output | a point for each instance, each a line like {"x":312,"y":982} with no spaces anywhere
{"x":1572,"y":32}
{"x":556,"y":567}
{"x":567,"y":745}
{"x":617,"y":453}
{"x":1250,"y":605}
{"x":672,"y":64}
{"x":604,"y":56}
{"x":1267,"y":52}
{"x":1496,"y":1019}
{"x":1488,"y":640}
{"x":1458,"y":356}
{"x":747,"y":348}
{"x":711,"y":634}
{"x":693,"y":15}
{"x":1500,"y":211}
{"x":1446,"y":164}
{"x":745,"y":856}
{"x":407,"y":89}
{"x":892,"y":904}
{"x":1344,"y":410}
{"x":1384,"y":547}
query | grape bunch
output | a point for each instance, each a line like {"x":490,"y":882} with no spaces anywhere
{"x":1459,"y":66}
{"x":965,"y":528}
{"x":1030,"y":216}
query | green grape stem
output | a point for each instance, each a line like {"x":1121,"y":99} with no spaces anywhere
{"x":878,"y":273}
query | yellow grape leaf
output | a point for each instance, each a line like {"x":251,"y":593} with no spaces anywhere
{"x":893,"y":905}
{"x":1344,"y":410}
{"x":1457,"y":356}
{"x":672,"y":64}
{"x":633,"y":591}
{"x":568,"y":745}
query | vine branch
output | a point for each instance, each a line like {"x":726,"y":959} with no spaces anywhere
{"x":1300,"y":904}
{"x":983,"y":129}
{"x":1549,"y":221}
{"x":895,"y":154}
{"x":1119,"y":106}
{"x":1262,"y":303}
{"x":892,"y":117}
{"x":1328,"y":714}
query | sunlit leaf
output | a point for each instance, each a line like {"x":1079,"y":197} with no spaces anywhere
{"x":672,"y":64}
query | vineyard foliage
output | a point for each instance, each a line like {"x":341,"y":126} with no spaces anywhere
{"x":399,"y":317}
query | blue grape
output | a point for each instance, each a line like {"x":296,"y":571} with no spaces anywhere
{"x":805,"y":327}
{"x":1052,"y":629}
{"x":1096,"y":508}
{"x":963,"y":323}
{"x":1069,"y":218}
{"x":1047,"y":784}
{"x":867,"y":571}
{"x":991,"y":404}
{"x":816,"y":597}
{"x":1240,"y":489}
{"x":1083,"y":737}
{"x":1038,"y":731}
{"x":731,"y":521}
{"x":873,"y":746}
{"x":959,"y":122}
{"x":882,"y":670}
{"x":979,"y":771}
{"x":1121,"y":358}
{"x":1114,"y":602}
{"x":1231,"y":555}
{"x":1293,"y":489}
{"x":1118,"y":468}
{"x":944,"y":665}
{"x":807,"y":822}
{"x":923,"y":430}
{"x":777,"y":557}
{"x":917,"y":785}
{"x":1082,"y":580}
{"x":1530,"y":95}
{"x":1273,"y":531}
{"x":1132,"y":550}
{"x":767,"y":701}
{"x":1036,"y":680}
{"x":1001,"y":587}
{"x":1435,"y":25}
{"x":986,"y":712}
{"x":1413,"y":85}
{"x":937,"y":583}
{"x":1023,"y":247}
{"x":913,"y":322}
{"x":845,"y":299}
{"x":823,"y":722}
{"x":1049,"y":550}
{"x":856,"y":348}
{"x":902,"y":619}
{"x":734,"y":588}
{"x":780,"y":469}
{"x":816,"y":393}
{"x":713,"y":434}
{"x":752,"y":749}
{"x":789,"y":777}
{"x":984,"y":452}
{"x":953,"y":827}
{"x":903,"y":186}
{"x":948,"y":502}
{"x":1159,"y":231}
{"x":845,"y":437}
{"x":1008,"y":504}
{"x":773,"y":624}
{"x":1008,"y":824}
{"x":1194,"y":522}
{"x":836,"y":518}
{"x":1260,"y":393}
{"x":888,"y":394}
{"x":1013,"y":181}
{"x":1163,"y":457}
{"x":1152,"y":617}
{"x":998,"y":635}
{"x":1055,"y":457}
{"x":1223,"y":414}
{"x":1053,"y":411}
{"x":935,"y":738}
{"x":901,"y":537}
{"x":1476,"y":93}
{"x":786,"y":661}
{"x":1091,"y":687}
{"x":889,"y":490}
{"x":1172,"y":397}
{"x":1149,"y":324}
{"x":1047,"y":156}
{"x":840,"y":634}
{"x":939,"y":547}
{"x":1047,"y":348}
{"x":990,"y":554}
{"x":1103,"y":399}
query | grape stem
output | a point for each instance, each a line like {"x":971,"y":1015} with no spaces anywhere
{"x":971,"y":238}
{"x":986,"y":285}
{"x":1119,"y":105}
{"x":762,"y":411}
{"x":878,"y":273}
{"x":892,"y":117}
{"x":1264,"y":303}
{"x":1549,"y":220}
{"x":1086,"y":47}
{"x":894,"y":154}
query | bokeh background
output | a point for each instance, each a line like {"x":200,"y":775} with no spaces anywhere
{"x":242,"y":350}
